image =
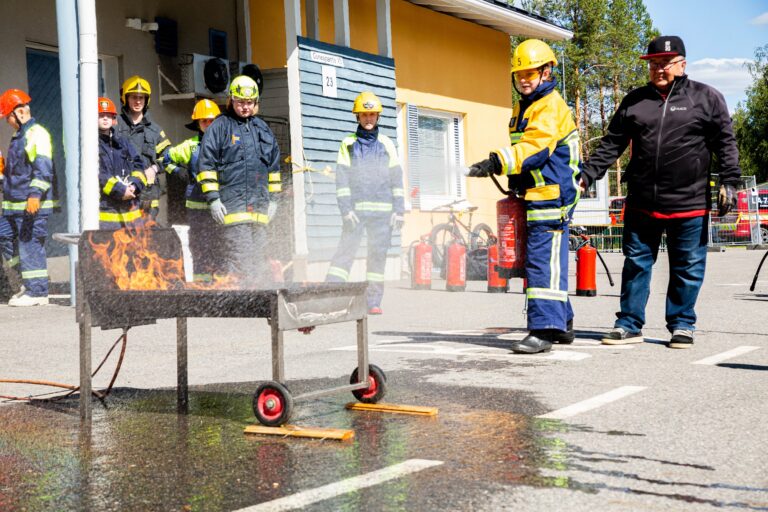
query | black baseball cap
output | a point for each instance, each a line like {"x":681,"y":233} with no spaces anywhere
{"x":665,"y":46}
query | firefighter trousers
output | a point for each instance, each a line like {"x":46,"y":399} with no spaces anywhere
{"x":203,"y":244}
{"x":29,"y":233}
{"x":546,"y":267}
{"x":379,"y":237}
{"x":242,"y":253}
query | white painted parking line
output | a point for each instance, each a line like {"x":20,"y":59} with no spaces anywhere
{"x":304,"y":498}
{"x":717,"y":358}
{"x":446,"y":348}
{"x":592,"y":403}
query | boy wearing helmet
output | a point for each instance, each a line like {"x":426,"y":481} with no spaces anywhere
{"x":147,"y":137}
{"x":121,"y":174}
{"x":543,"y":164}
{"x":29,"y":190}
{"x":202,"y":228}
{"x":239,"y":171}
{"x":369,"y":191}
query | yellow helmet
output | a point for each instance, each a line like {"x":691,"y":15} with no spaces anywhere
{"x":244,"y":88}
{"x":205,"y":109}
{"x":135,"y":85}
{"x":367,"y":102}
{"x":532,"y":54}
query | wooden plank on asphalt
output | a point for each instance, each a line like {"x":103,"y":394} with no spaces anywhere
{"x":393,"y":408}
{"x":296,"y":431}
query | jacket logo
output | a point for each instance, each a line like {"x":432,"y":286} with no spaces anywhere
{"x":672,"y":109}
{"x":235,"y":139}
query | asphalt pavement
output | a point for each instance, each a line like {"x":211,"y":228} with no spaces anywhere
{"x":584,"y":427}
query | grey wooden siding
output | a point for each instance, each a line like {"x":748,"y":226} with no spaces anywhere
{"x":326,"y":121}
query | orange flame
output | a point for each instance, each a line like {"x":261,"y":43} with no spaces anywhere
{"x":133,"y":263}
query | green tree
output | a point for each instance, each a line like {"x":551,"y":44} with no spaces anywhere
{"x":750,"y":121}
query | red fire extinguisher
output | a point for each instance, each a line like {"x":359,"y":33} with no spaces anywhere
{"x":421,"y":258}
{"x":586,"y":260}
{"x":456,"y":267}
{"x":496,"y":283}
{"x":511,"y":218}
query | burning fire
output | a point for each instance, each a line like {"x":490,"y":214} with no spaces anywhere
{"x":132,"y":261}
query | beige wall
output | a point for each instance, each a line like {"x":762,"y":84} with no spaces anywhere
{"x":34,"y":21}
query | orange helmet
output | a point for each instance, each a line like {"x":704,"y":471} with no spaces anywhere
{"x":11,"y":99}
{"x":106,"y":106}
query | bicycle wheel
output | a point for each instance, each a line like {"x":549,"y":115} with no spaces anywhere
{"x":480,"y":237}
{"x":440,"y":236}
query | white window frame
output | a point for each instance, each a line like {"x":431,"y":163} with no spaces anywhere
{"x":456,"y":168}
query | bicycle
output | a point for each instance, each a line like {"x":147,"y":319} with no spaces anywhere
{"x":441,"y":235}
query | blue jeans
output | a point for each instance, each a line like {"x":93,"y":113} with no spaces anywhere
{"x":687,"y":249}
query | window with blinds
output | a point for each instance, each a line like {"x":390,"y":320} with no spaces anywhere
{"x":435,"y":157}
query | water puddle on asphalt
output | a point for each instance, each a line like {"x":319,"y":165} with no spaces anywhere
{"x":140,"y":455}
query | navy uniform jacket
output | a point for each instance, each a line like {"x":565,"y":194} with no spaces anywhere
{"x":29,"y":170}
{"x":119,"y":166}
{"x":150,"y":142}
{"x":240,"y":164}
{"x":369,"y":179}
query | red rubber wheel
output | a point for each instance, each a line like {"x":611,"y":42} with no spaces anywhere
{"x":376,"y":389}
{"x":272,"y":404}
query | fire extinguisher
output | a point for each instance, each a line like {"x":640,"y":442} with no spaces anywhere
{"x":586,"y":259}
{"x":456,"y":267}
{"x":421,"y":259}
{"x":511,"y":219}
{"x":496,"y":283}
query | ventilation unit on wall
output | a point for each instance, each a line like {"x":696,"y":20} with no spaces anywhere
{"x":251,"y":70}
{"x":204,"y":75}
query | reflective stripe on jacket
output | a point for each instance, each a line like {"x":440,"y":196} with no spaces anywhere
{"x":544,"y":154}
{"x":239,"y":160}
{"x":29,"y":170}
{"x":369,"y":178}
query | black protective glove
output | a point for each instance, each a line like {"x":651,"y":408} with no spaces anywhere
{"x":726,"y":200}
{"x":485,"y":168}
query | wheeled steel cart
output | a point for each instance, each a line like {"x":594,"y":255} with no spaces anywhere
{"x":298,"y":307}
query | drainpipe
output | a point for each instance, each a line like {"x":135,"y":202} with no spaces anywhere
{"x":66,"y":26}
{"x":89,"y":130}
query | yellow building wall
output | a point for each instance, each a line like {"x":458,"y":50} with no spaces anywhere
{"x":441,"y":63}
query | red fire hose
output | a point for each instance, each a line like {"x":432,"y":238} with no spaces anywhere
{"x":101,"y":395}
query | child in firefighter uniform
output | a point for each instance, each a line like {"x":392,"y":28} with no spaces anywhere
{"x":239,"y":173}
{"x":369,"y":191}
{"x":184,"y":159}
{"x":147,"y":137}
{"x":29,"y":197}
{"x":121,"y":174}
{"x":542,"y":162}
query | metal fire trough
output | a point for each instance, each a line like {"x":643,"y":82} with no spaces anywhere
{"x":101,"y":304}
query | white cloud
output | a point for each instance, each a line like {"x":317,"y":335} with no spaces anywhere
{"x":760,"y":20}
{"x":729,"y":76}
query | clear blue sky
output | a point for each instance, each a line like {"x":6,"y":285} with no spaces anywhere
{"x":719,"y":37}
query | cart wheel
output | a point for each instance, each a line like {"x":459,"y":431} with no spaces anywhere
{"x":377,"y":388}
{"x":272,"y":404}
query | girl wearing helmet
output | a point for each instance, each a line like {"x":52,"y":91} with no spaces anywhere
{"x":543,"y":163}
{"x":182,"y":160}
{"x":121,"y":174}
{"x":239,"y":175}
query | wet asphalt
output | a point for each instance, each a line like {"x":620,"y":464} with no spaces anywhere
{"x":693,"y":439}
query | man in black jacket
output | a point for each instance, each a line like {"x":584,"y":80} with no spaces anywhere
{"x":674,"y":125}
